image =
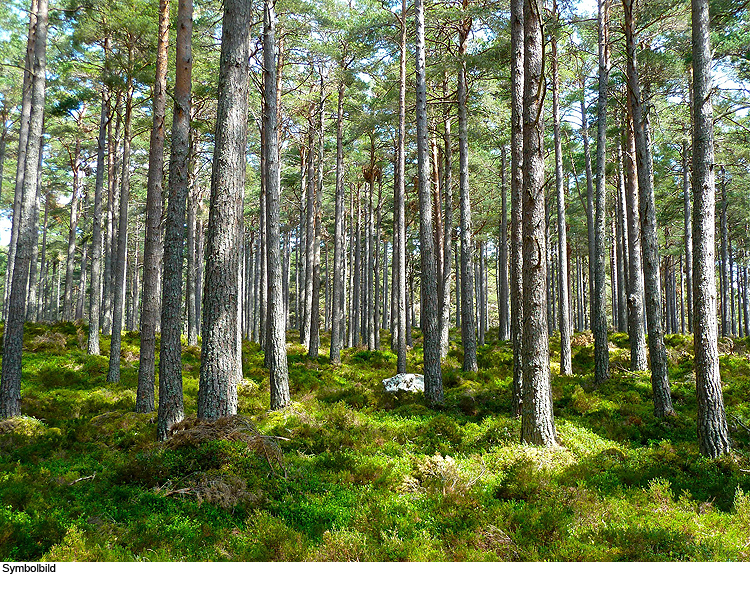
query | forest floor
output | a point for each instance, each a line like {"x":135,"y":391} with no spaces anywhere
{"x":351,"y":473}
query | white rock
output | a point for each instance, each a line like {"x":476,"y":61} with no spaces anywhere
{"x":404,"y":382}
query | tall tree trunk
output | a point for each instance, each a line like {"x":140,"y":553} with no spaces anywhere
{"x":724,"y":255}
{"x":713,"y":437}
{"x":263,"y":290}
{"x":688,"y":233}
{"x":75,"y":164}
{"x":636,"y":333}
{"x":152,"y":255}
{"x":110,"y":244}
{"x":516,"y":200}
{"x":377,"y":299}
{"x":599,"y":311}
{"x":192,"y":260}
{"x":10,"y":382}
{"x":502,"y":253}
{"x":400,"y":207}
{"x":309,"y":237}
{"x":318,"y":222}
{"x":589,"y":201}
{"x":23,"y":140}
{"x":468,"y":327}
{"x":171,"y":408}
{"x":445,"y":304}
{"x":81,"y":281}
{"x":432,"y":374}
{"x":650,"y":244}
{"x":621,"y":249}
{"x":96,"y":252}
{"x":113,"y":375}
{"x":566,"y":366}
{"x":217,"y":393}
{"x":537,"y":422}
{"x":276,"y":345}
{"x":338,"y":325}
{"x":31,"y":306}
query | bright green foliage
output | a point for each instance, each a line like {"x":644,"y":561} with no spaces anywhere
{"x":350,"y":473}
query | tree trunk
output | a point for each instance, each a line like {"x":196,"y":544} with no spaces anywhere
{"x":537,"y":422}
{"x":621,"y":249}
{"x":589,"y":201}
{"x":338,"y":326}
{"x":113,"y":375}
{"x":110,"y":245}
{"x":171,"y":409}
{"x":276,"y":344}
{"x":724,"y":255}
{"x":599,"y":311}
{"x":81,"y":281}
{"x":516,"y":201}
{"x":318,"y":222}
{"x":400,"y":203}
{"x":23,"y":139}
{"x":445,"y":304}
{"x":75,"y":164}
{"x":502,"y":253}
{"x":96,"y":253}
{"x":217,"y":393}
{"x":468,"y":327}
{"x":566,"y":366}
{"x":309,"y":238}
{"x":152,"y":255}
{"x":10,"y":382}
{"x":688,"y":233}
{"x":432,"y":374}
{"x":713,"y":438}
{"x":636,"y":333}
{"x":192,"y":261}
{"x":32,"y":306}
{"x":650,"y":244}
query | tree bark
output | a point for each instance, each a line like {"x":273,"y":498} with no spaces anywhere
{"x":276,"y":345}
{"x":317,"y":220}
{"x":309,"y":237}
{"x":171,"y":409}
{"x":95,"y":297}
{"x":516,"y":201}
{"x":338,"y":325}
{"x":636,"y":333}
{"x":432,"y":373}
{"x":401,"y":203}
{"x":599,"y":311}
{"x":649,"y":245}
{"x":152,"y":255}
{"x":110,"y":245}
{"x":537,"y":422}
{"x":31,"y":305}
{"x":75,"y":164}
{"x":113,"y":375}
{"x":566,"y":366}
{"x":10,"y":381}
{"x":589,"y":201}
{"x":713,"y":437}
{"x":217,"y":393}
{"x":23,"y":140}
{"x":468,"y":326}
{"x":502,"y":253}
{"x":445,"y":304}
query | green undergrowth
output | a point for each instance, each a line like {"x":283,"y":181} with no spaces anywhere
{"x":349,"y":472}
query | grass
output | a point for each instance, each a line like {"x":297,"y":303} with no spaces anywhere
{"x":351,"y":473}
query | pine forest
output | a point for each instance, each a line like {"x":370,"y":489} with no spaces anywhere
{"x":357,"y":280}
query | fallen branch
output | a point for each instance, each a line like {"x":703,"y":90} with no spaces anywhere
{"x":83,"y":479}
